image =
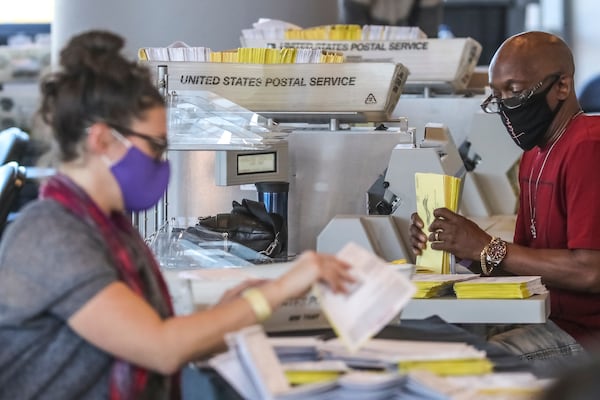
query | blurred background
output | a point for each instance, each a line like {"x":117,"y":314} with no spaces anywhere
{"x":36,"y":29}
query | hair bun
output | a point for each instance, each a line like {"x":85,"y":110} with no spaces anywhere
{"x":91,"y":51}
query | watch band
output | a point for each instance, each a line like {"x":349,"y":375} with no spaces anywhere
{"x":483,"y":261}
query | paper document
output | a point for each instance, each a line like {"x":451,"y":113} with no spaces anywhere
{"x":378,"y":295}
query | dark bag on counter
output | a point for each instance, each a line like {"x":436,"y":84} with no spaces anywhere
{"x":248,"y":224}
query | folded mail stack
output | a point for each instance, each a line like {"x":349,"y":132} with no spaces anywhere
{"x":435,"y":191}
{"x":437,"y":285}
{"x":177,"y":51}
{"x":495,"y":386}
{"x":180,"y":51}
{"x":370,"y":385}
{"x":357,"y":385}
{"x":268,"y":29}
{"x":431,"y":61}
{"x":504,"y":287}
{"x":441,"y":358}
{"x":295,"y":349}
{"x":252,"y":368}
{"x":415,"y":370}
{"x":306,"y":372}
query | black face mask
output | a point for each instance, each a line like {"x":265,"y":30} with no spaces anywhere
{"x":528,"y":123}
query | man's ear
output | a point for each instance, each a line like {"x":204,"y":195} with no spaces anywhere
{"x":564,"y":86}
{"x":99,"y":137}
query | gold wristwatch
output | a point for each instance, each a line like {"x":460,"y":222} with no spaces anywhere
{"x":492,"y":255}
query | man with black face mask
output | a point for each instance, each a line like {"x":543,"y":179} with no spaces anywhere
{"x":557,"y":234}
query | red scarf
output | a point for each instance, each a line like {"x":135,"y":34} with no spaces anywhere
{"x":140,"y":273}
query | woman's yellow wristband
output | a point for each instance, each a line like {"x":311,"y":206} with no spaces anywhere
{"x":258,"y":302}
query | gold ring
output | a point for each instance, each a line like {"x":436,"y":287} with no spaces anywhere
{"x":437,"y":236}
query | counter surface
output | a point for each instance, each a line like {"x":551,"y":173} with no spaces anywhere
{"x":532,"y":310}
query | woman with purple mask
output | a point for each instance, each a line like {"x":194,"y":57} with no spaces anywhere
{"x":84,"y":311}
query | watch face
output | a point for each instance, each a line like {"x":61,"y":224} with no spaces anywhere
{"x":496,"y":251}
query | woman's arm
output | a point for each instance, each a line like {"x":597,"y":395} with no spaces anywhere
{"x":123,"y":324}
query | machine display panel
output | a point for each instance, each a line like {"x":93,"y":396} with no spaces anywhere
{"x":256,"y":163}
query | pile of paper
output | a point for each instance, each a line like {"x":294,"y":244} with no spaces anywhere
{"x":268,"y":29}
{"x":369,"y":385}
{"x":441,"y":358}
{"x":245,"y":55}
{"x":252,"y":368}
{"x":325,"y":32}
{"x":388,"y":32}
{"x":435,"y":191}
{"x":296,"y":349}
{"x":261,"y":55}
{"x":280,"y":30}
{"x":251,"y":365}
{"x":301,"y":373}
{"x":500,"y":386}
{"x":178,"y":51}
{"x":502,"y":287}
{"x":436,"y":285}
{"x":494,"y":386}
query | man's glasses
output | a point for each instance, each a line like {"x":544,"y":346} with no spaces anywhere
{"x":493,"y":104}
{"x":158,"y":145}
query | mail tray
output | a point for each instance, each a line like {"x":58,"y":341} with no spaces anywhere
{"x":371,"y":88}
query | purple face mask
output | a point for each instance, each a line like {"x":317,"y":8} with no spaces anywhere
{"x":142,"y":179}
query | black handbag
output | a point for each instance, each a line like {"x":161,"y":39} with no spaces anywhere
{"x":248,"y":224}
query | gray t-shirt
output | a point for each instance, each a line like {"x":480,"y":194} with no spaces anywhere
{"x":51,"y":264}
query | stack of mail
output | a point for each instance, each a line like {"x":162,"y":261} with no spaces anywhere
{"x":390,"y":32}
{"x":293,"y":349}
{"x":268,"y":29}
{"x":177,"y":51}
{"x":436,"y":285}
{"x":502,"y":287}
{"x":369,"y":385}
{"x":435,"y":191}
{"x":279,"y":30}
{"x":251,"y":367}
{"x":300,"y":373}
{"x":441,"y":358}
{"x":354,"y":385}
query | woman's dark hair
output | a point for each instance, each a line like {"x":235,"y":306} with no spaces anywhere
{"x":96,"y":83}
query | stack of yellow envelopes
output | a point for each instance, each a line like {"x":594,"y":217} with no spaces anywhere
{"x":442,"y":358}
{"x":504,"y":287}
{"x":435,"y":191}
{"x":436,"y":285}
{"x":299,"y":373}
{"x":457,"y":366}
{"x":326,"y":32}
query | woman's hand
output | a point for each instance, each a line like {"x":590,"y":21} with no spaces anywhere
{"x":312,"y":267}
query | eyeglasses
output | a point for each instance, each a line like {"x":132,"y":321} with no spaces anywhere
{"x":492,"y":104}
{"x":158,"y":145}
